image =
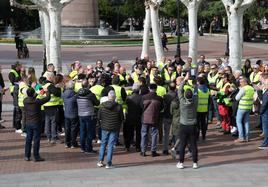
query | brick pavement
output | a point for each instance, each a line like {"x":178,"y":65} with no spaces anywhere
{"x":217,"y":150}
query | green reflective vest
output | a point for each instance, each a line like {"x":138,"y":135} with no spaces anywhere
{"x":11,"y":86}
{"x":212,"y":79}
{"x":202,"y":101}
{"x":117,"y":90}
{"x":77,"y":86}
{"x":22,"y":93}
{"x":246,"y":102}
{"x":169,"y":77}
{"x":255,"y":77}
{"x":161,"y":91}
{"x":97,"y":89}
{"x":54,"y":101}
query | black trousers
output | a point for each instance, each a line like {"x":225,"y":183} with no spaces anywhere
{"x":71,"y":131}
{"x":202,"y":124}
{"x":60,"y":118}
{"x":17,"y":116}
{"x":188,"y":132}
{"x":128,"y":133}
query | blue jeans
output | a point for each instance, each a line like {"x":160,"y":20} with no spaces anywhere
{"x":242,"y":121}
{"x":144,"y":137}
{"x":110,"y":138}
{"x":264,"y":118}
{"x":87,"y":128}
{"x":213,"y":109}
{"x":33,"y":132}
{"x":51,"y":127}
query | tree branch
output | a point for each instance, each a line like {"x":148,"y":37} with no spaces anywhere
{"x":14,"y":3}
{"x":40,"y":3}
{"x":247,"y":3}
{"x":185,"y":2}
{"x":65,"y":2}
{"x":238,"y":4}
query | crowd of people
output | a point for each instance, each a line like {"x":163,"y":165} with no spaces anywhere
{"x":171,"y":103}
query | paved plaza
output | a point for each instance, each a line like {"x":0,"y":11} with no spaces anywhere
{"x":223,"y":163}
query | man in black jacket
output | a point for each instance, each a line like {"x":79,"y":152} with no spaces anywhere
{"x":32,"y":107}
{"x":133,"y":118}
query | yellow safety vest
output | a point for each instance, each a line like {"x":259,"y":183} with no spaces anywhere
{"x":161,"y":91}
{"x":135,"y":77}
{"x":77,"y":86}
{"x":255,"y":77}
{"x":169,"y":77}
{"x":117,"y":90}
{"x":227,"y":100}
{"x":212,"y":79}
{"x":54,"y":101}
{"x":186,"y":87}
{"x":73,"y":74}
{"x":246,"y":102}
{"x":11,"y":86}
{"x":22,"y":95}
{"x":97,"y":89}
{"x":202,"y":101}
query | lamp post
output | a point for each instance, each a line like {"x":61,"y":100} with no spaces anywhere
{"x":178,"y":51}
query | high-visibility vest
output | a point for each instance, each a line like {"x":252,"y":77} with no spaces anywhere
{"x":186,"y":87}
{"x":73,"y":74}
{"x":246,"y":102}
{"x":161,"y":91}
{"x":135,"y":77}
{"x":255,"y":77}
{"x":152,"y":79}
{"x":212,"y":79}
{"x":77,"y":86}
{"x":41,"y":96}
{"x":202,"y":101}
{"x":117,"y":90}
{"x":169,"y":77}
{"x":61,"y":102}
{"x":22,"y":94}
{"x":227,"y":101}
{"x":97,"y":89}
{"x":54,"y":101}
{"x":11,"y":86}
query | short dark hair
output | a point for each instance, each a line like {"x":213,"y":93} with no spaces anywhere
{"x":153,"y":86}
{"x":201,"y":80}
{"x":30,"y":92}
{"x":116,"y":80}
{"x":188,"y":94}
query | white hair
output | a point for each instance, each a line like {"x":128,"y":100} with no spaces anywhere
{"x":111,"y":95}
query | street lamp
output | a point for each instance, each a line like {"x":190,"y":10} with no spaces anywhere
{"x":178,"y":51}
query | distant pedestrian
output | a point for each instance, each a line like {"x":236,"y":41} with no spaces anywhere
{"x":164,"y":41}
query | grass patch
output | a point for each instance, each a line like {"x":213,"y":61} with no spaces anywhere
{"x":171,"y":40}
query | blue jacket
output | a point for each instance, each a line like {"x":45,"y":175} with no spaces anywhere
{"x":70,"y":104}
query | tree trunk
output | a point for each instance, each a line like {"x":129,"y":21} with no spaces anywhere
{"x":55,"y":38}
{"x":156,"y":33}
{"x":236,"y":41}
{"x":47,"y":34}
{"x":146,"y":34}
{"x":193,"y":31}
{"x":42,"y":28}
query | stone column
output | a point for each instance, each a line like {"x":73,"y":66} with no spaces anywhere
{"x":81,"y":13}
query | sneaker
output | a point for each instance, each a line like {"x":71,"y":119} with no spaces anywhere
{"x":62,"y":134}
{"x":109,"y":166}
{"x":23,"y":134}
{"x":100,"y":164}
{"x":27,"y":159}
{"x":263,"y":147}
{"x":195,"y":165}
{"x":40,"y":159}
{"x":180,"y":165}
{"x":261,"y":135}
{"x":67,"y":146}
{"x":99,"y":142}
{"x":19,"y":131}
{"x":155,"y":154}
{"x":2,"y":121}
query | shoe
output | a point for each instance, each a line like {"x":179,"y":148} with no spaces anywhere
{"x":19,"y":131}
{"x":27,"y":159}
{"x":261,"y":135}
{"x":67,"y":146}
{"x":155,"y":154}
{"x":173,"y":153}
{"x":74,"y":146}
{"x":91,"y":152}
{"x":165,"y":152}
{"x":195,"y":166}
{"x":143,"y":154}
{"x":109,"y":167}
{"x":188,"y":154}
{"x":138,"y":150}
{"x":2,"y":121}
{"x":62,"y":134}
{"x":210,"y":121}
{"x":40,"y":159}
{"x":180,"y":165}
{"x":263,"y":147}
{"x":100,"y":164}
{"x":99,"y":142}
{"x":23,"y":134}
{"x":239,"y":141}
{"x":52,"y":142}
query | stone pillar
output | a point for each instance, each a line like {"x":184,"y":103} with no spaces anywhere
{"x":81,"y":13}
